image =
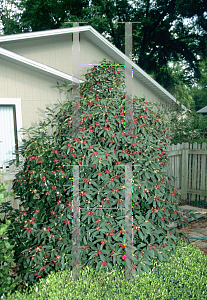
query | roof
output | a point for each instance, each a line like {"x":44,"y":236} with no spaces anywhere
{"x":97,"y":39}
{"x":36,"y":66}
{"x":202,"y":110}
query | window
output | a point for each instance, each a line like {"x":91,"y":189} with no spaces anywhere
{"x":10,"y":124}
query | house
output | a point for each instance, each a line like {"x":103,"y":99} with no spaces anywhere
{"x":202,"y":111}
{"x":32,"y":63}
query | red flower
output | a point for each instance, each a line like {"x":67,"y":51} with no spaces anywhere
{"x":173,"y":194}
{"x":142,"y":125}
{"x":43,"y":179}
{"x":54,"y":151}
{"x":90,"y":88}
{"x":37,"y":211}
{"x":66,"y":222}
{"x":54,"y":188}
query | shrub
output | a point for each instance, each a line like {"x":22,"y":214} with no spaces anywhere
{"x":42,"y":233}
{"x":6,"y":257}
{"x":188,"y":127}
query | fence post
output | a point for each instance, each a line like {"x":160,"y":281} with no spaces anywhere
{"x":194,"y":171}
{"x":203,"y":168}
{"x":184,"y":176}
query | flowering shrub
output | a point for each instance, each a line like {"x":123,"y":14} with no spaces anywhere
{"x":42,"y":233}
{"x":6,"y":282}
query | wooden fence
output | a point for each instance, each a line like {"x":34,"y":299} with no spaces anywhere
{"x":187,"y":163}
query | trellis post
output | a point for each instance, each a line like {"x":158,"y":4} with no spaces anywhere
{"x":128,"y":168}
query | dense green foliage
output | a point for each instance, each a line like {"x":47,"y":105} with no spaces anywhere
{"x":186,"y":126}
{"x":183,"y":277}
{"x":41,"y":234}
{"x":6,"y":282}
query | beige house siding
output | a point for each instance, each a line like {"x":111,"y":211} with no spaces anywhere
{"x":53,"y":52}
{"x":56,"y":52}
{"x":36,"y":91}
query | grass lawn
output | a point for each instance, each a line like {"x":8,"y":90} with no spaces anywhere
{"x":184,"y":276}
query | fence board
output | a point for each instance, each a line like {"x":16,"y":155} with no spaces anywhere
{"x":199,"y":173}
{"x":184,"y":179}
{"x":190,"y":173}
{"x":194,"y":170}
{"x":203,"y":170}
{"x":172,"y":164}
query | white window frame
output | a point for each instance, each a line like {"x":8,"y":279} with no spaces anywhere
{"x":18,"y":109}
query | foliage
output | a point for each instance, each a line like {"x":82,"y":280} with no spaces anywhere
{"x":199,"y":92}
{"x":6,"y":282}
{"x":165,"y":282}
{"x":186,"y":126}
{"x":42,"y":234}
{"x":37,"y":15}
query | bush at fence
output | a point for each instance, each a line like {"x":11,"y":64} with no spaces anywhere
{"x":42,"y":234}
{"x":7,"y":283}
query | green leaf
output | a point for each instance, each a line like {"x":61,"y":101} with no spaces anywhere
{"x":140,"y":235}
{"x":102,"y":257}
{"x":160,"y":256}
{"x":98,"y":266}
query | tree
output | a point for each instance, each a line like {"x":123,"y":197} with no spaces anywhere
{"x":199,"y":92}
{"x":37,"y":15}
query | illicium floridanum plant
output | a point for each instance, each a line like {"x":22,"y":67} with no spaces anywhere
{"x":42,"y":233}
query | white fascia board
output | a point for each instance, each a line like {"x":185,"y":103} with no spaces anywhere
{"x":202,"y":110}
{"x":36,"y":66}
{"x":44,"y":33}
